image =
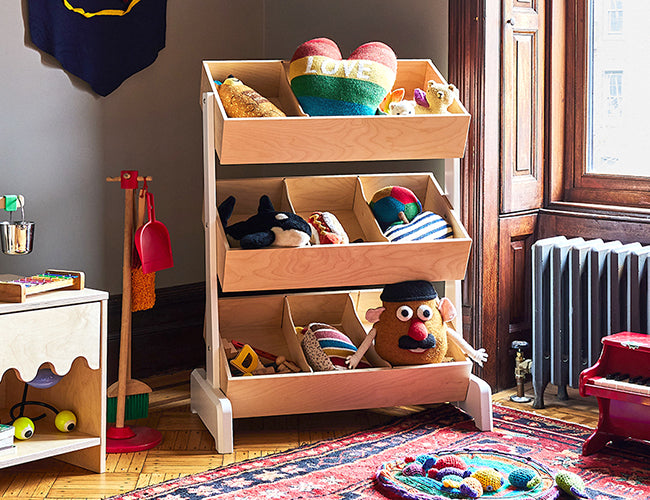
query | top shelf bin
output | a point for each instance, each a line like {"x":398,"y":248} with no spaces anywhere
{"x":299,"y":138}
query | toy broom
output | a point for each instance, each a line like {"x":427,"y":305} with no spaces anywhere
{"x":128,"y":398}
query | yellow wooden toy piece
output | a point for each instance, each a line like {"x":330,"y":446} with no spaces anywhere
{"x":246,"y":361}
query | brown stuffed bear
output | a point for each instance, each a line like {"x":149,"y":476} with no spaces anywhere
{"x":411,"y":327}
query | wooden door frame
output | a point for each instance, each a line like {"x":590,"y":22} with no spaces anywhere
{"x":475,"y":67}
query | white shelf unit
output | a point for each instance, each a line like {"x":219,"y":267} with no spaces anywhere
{"x":65,"y":331}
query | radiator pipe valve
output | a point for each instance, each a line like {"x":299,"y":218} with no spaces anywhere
{"x":522,"y":368}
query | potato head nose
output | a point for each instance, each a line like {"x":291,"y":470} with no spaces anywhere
{"x":417,"y":330}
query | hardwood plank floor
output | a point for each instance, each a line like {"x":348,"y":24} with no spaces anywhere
{"x":188,"y":448}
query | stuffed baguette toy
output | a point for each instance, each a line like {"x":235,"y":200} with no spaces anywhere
{"x":241,"y":101}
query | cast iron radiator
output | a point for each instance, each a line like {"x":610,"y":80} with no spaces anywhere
{"x":582,"y":291}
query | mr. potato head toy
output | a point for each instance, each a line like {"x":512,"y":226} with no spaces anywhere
{"x":411,"y":327}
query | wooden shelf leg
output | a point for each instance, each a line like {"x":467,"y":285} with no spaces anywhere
{"x":214,"y":408}
{"x":478,"y":403}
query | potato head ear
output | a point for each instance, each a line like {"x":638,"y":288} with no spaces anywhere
{"x":447,"y":309}
{"x":372,"y":315}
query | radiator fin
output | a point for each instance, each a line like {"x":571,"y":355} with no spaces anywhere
{"x":582,"y":291}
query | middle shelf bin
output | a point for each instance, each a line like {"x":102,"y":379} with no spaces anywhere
{"x":268,"y":322}
{"x":372,"y":261}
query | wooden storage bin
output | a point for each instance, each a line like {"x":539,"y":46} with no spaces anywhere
{"x":300,"y":138}
{"x":268,"y":322}
{"x":374,"y":262}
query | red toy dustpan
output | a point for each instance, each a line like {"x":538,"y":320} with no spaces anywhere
{"x":152,"y":242}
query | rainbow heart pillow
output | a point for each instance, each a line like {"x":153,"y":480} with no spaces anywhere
{"x":325,"y":84}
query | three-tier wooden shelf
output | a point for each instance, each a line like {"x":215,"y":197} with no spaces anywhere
{"x":315,"y":275}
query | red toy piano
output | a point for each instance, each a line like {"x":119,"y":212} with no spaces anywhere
{"x":620,"y":380}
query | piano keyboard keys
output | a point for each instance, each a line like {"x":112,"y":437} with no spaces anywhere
{"x":637,"y":384}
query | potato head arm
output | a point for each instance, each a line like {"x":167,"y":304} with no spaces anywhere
{"x":478,"y":356}
{"x":372,"y":315}
{"x":353,"y":360}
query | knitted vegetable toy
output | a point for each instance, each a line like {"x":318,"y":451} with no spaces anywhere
{"x":571,"y":483}
{"x":266,"y":228}
{"x":241,"y":101}
{"x":325,"y":84}
{"x":411,"y":327}
{"x":524,"y":478}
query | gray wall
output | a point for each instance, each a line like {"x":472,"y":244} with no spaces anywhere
{"x":59,"y":141}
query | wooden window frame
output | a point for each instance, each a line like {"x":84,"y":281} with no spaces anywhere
{"x":569,"y":182}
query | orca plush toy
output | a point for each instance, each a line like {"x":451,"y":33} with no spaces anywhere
{"x":266,"y":228}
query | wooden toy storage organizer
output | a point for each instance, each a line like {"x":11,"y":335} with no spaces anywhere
{"x":267,"y":321}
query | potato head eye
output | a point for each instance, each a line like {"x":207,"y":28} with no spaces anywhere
{"x":404,"y":313}
{"x":425,"y":313}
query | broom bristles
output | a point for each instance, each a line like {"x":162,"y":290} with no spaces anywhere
{"x":137,"y":406}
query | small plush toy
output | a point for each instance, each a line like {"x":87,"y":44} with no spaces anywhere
{"x":436,"y":99}
{"x":411,"y":327}
{"x":241,"y":101}
{"x":524,"y":478}
{"x":326,"y":348}
{"x":490,"y":479}
{"x":571,"y":483}
{"x":325,"y":84}
{"x":399,"y":215}
{"x":402,"y":108}
{"x":326,"y":229}
{"x":396,"y":95}
{"x":393,"y":204}
{"x":266,"y":228}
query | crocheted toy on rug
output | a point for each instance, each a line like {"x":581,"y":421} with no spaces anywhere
{"x":466,"y":473}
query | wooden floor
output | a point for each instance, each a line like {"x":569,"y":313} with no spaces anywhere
{"x":188,"y":448}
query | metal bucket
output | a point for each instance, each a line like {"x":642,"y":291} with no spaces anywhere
{"x":17,"y":238}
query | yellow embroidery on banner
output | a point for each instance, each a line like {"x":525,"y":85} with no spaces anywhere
{"x":105,"y":12}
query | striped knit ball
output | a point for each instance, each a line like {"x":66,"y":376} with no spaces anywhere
{"x":337,"y":346}
{"x":325,"y":84}
{"x":387,"y":203}
{"x":426,"y":226}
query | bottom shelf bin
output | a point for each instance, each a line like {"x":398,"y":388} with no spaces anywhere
{"x":269,"y":323}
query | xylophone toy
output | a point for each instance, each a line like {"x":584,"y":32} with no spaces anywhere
{"x":17,"y":289}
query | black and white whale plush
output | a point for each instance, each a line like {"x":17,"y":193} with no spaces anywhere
{"x":266,"y":228}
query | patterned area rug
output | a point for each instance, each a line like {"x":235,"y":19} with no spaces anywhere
{"x":345,"y":468}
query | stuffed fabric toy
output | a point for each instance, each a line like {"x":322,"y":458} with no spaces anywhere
{"x":400,"y":217}
{"x":266,"y":228}
{"x":436,"y":99}
{"x":326,"y":348}
{"x":571,"y":483}
{"x":241,"y":101}
{"x":327,"y":85}
{"x":326,"y":229}
{"x":411,"y":327}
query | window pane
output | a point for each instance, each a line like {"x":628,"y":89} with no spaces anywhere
{"x":619,"y":75}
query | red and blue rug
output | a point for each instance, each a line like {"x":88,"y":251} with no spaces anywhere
{"x":346,"y":468}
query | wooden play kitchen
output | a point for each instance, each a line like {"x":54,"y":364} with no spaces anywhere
{"x":268,"y":321}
